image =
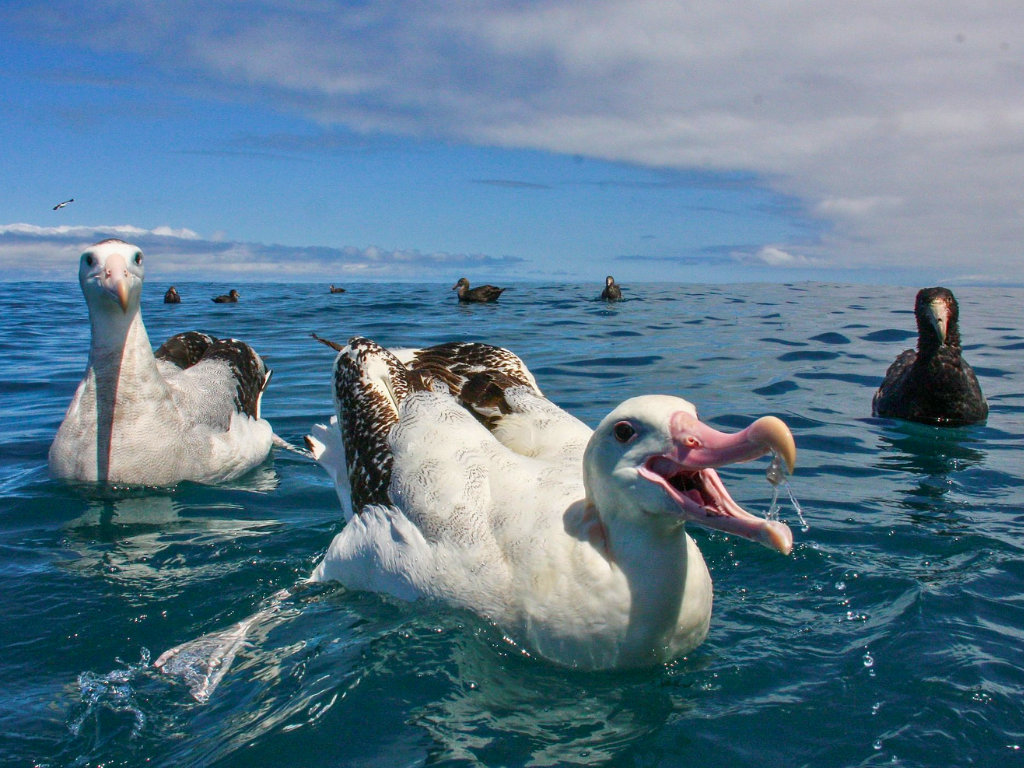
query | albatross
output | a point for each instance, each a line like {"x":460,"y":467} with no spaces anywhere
{"x":933,"y":384}
{"x":612,"y":291}
{"x":189,"y":411}
{"x":462,"y":483}
{"x":482,"y":294}
{"x":231,"y":297}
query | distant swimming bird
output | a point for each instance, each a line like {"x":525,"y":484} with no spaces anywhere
{"x":479,"y":295}
{"x":231,"y":298}
{"x":611,"y":292}
{"x":571,"y":541}
{"x":58,"y":206}
{"x":191,"y":411}
{"x":172,"y":296}
{"x":934,"y":384}
{"x":337,"y":290}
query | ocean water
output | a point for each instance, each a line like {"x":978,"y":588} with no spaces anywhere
{"x":893,"y":635}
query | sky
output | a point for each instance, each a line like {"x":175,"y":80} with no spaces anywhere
{"x":654,"y":140}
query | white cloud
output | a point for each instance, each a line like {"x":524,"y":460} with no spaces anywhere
{"x":773,"y":256}
{"x":856,"y":207}
{"x":899,"y":125}
{"x":29,"y":252}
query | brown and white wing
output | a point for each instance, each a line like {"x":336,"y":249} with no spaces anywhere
{"x":477,"y":374}
{"x":370,"y":384}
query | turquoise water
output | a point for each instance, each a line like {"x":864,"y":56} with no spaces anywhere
{"x":894,"y":634}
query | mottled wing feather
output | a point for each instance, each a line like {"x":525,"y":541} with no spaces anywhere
{"x":247,"y":369}
{"x":477,"y":374}
{"x":250,"y":372}
{"x":185,"y":349}
{"x":370,"y":384}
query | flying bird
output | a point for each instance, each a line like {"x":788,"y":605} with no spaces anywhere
{"x":58,"y":206}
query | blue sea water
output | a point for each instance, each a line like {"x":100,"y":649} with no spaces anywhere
{"x":893,"y":635}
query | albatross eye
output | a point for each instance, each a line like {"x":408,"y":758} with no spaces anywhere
{"x":89,"y":259}
{"x":138,"y":257}
{"x":624,"y":431}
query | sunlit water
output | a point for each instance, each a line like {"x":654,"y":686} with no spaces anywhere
{"x":894,"y":634}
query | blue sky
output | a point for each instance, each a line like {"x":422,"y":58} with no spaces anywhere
{"x":649,"y":139}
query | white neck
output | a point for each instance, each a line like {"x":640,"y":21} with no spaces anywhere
{"x":655,"y":559}
{"x":125,"y":375}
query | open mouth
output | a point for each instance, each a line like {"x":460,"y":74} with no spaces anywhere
{"x":703,"y":499}
{"x":698,"y":490}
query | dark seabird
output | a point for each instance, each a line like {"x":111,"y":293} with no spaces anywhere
{"x":172,"y":296}
{"x":611,"y":291}
{"x":479,"y":295}
{"x":58,"y":206}
{"x":231,"y":298}
{"x":337,"y":290}
{"x":189,"y":411}
{"x":933,"y":385}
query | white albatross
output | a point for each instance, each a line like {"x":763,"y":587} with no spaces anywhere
{"x":461,"y":483}
{"x":476,"y":490}
{"x":190,"y":411}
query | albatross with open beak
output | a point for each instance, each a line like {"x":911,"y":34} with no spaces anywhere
{"x":572,"y":541}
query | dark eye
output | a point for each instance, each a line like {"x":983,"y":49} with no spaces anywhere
{"x":89,"y":259}
{"x":624,"y":431}
{"x":138,"y":257}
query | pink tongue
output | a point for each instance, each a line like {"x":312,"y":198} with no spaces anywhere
{"x":695,"y":496}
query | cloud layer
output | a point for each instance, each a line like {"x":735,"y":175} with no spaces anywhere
{"x":29,"y":252}
{"x":900,"y":126}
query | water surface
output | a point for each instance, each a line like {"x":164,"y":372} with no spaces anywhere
{"x":892,"y":635}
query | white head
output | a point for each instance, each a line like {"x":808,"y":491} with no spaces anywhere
{"x":651,"y":463}
{"x":111,"y":274}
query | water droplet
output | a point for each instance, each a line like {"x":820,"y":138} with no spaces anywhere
{"x":875,"y":707}
{"x":775,"y":472}
{"x":869,"y":660}
{"x":877,"y":745}
{"x":840,"y":586}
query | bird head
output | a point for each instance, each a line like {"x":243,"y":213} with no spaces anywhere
{"x":111,"y":275}
{"x":651,"y":462}
{"x":937,"y":313}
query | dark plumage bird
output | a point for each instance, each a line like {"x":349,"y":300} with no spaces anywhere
{"x":337,"y":290}
{"x":480,"y":295}
{"x":934,"y":384}
{"x":231,"y":298}
{"x":172,"y":296}
{"x":611,"y":291}
{"x":58,"y":206}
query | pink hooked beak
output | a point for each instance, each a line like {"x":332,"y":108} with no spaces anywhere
{"x":115,"y":279}
{"x":687,"y":474}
